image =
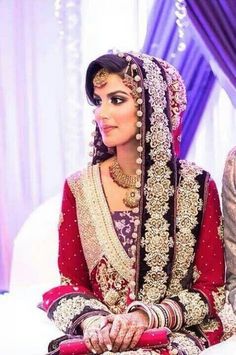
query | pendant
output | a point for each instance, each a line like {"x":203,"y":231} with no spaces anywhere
{"x":131,"y":198}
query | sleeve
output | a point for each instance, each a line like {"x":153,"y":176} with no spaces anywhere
{"x":229,"y":210}
{"x":72,"y":301}
{"x":206,"y":296}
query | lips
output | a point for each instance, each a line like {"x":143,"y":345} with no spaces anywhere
{"x":107,"y":129}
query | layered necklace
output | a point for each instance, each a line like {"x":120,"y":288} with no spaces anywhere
{"x":129,"y":182}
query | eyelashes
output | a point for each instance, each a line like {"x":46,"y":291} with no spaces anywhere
{"x":115,"y":100}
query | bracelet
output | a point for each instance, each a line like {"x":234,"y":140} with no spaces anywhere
{"x":140,"y":305}
{"x":88,"y":322}
{"x":160,"y":315}
{"x":177,"y":311}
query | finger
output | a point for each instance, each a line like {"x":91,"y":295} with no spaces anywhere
{"x":88,"y":343}
{"x":115,"y":329}
{"x":136,"y":337}
{"x":91,"y":338}
{"x":106,"y":337}
{"x":118,"y":340}
{"x":128,"y":338}
{"x":101,"y":342}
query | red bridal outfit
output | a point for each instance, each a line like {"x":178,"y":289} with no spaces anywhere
{"x":167,"y":254}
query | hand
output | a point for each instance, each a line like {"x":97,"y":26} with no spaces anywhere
{"x":126,"y":329}
{"x":97,"y":336}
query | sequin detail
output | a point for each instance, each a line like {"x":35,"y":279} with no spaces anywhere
{"x":185,"y":344}
{"x":195,"y":308}
{"x":210,"y":325}
{"x":219,"y":298}
{"x":113,"y":287}
{"x":68,"y":308}
{"x":189,"y":204}
{"x":96,"y":225}
{"x":65,"y":280}
{"x":158,"y":188}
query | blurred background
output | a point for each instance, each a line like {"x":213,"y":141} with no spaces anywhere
{"x":45,"y":120}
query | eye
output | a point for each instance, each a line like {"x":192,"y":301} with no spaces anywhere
{"x":97,"y":101}
{"x":117,"y":100}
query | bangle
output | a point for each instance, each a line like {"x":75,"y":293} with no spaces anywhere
{"x":91,"y":321}
{"x":177,"y":311}
{"x":140,"y":305}
{"x":160,"y":315}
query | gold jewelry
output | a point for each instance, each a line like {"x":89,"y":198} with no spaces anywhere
{"x":128,"y":182}
{"x":100,"y":78}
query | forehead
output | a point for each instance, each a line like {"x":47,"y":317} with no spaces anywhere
{"x":113,"y":83}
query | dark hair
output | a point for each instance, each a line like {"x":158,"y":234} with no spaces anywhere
{"x":111,"y":62}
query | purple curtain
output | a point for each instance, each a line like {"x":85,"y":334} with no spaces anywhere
{"x":215,"y":22}
{"x":162,"y":41}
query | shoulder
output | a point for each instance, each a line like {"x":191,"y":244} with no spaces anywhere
{"x":232,"y":153}
{"x":188,"y":168}
{"x":229,"y":176}
{"x":231,"y":159}
{"x":75,"y":180}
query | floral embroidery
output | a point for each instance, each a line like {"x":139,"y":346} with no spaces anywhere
{"x":196,"y":273}
{"x":178,"y":94}
{"x":189,"y":204}
{"x":210,"y":325}
{"x":97,"y":232}
{"x":65,"y":280}
{"x":185,"y":344}
{"x":113,"y":287}
{"x":195,"y":308}
{"x":68,"y":308}
{"x":61,"y":219}
{"x":158,"y":189}
{"x":219,"y":298}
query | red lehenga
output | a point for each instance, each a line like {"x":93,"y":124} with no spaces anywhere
{"x":174,"y":260}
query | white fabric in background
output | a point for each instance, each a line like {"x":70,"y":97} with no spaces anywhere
{"x":39,"y":135}
{"x":215,"y":136}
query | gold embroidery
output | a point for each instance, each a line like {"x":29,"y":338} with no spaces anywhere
{"x":61,"y":219}
{"x":195,"y":308}
{"x":158,"y":189}
{"x":113,"y":287}
{"x":105,"y":232}
{"x":97,"y":232}
{"x":177,"y":92}
{"x":219,"y":298}
{"x":210,"y":325}
{"x":68,"y":308}
{"x":196,"y":273}
{"x":65,"y":280}
{"x":185,"y":344}
{"x":81,"y":191}
{"x":228,"y":319}
{"x":221,"y":229}
{"x":188,"y":206}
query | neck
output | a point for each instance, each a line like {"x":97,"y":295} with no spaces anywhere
{"x":126,"y":157}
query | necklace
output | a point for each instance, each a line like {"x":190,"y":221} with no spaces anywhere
{"x":128,"y":182}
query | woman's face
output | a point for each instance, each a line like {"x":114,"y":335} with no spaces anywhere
{"x":115,"y":113}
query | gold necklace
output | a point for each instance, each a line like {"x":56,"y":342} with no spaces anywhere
{"x":128,"y":182}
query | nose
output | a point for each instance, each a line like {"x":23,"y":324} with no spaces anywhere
{"x":103,"y":111}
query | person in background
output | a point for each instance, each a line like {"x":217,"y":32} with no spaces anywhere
{"x":140,"y":237}
{"x":229,"y":210}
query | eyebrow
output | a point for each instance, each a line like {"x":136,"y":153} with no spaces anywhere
{"x":114,"y":93}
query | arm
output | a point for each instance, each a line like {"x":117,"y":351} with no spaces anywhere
{"x":74,"y":300}
{"x":229,"y":210}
